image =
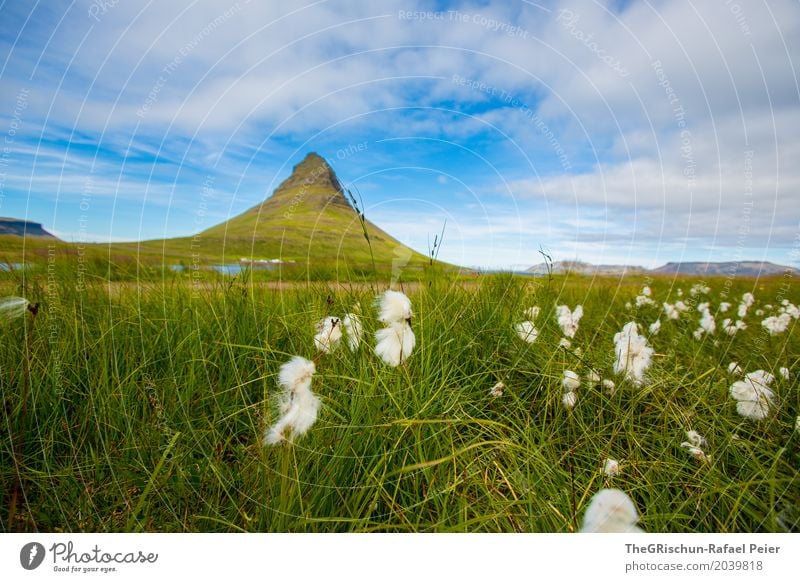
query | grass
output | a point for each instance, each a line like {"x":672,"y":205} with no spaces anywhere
{"x":148,"y":402}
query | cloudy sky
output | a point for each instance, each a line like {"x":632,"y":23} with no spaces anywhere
{"x":633,"y":132}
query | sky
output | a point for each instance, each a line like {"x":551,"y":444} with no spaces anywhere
{"x":624,"y":132}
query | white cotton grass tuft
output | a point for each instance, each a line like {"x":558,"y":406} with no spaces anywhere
{"x":569,"y":399}
{"x":593,"y":377}
{"x":731,"y":327}
{"x":699,"y":289}
{"x":571,"y":381}
{"x":707,"y":323}
{"x":354,"y":329}
{"x":753,"y":397}
{"x":671,"y":311}
{"x":497,"y":390}
{"x":298,"y":404}
{"x":611,"y":511}
{"x":565,"y":343}
{"x":784,"y":372}
{"x":735,"y":369}
{"x":633,"y":354}
{"x":13,"y":307}
{"x":610,"y":468}
{"x":394,"y":307}
{"x":777,"y":324}
{"x":745,"y":305}
{"x":329,"y":333}
{"x":395,"y":343}
{"x":655,"y":327}
{"x":797,"y":424}
{"x":526,"y":331}
{"x":694,"y":446}
{"x":568,"y":319}
{"x":609,"y":387}
{"x":724,"y":307}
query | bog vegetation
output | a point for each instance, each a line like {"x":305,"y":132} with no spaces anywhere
{"x":143,"y":406}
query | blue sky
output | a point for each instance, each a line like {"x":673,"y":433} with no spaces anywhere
{"x":611,"y":132}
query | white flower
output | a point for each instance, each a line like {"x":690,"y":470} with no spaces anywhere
{"x":532,"y":312}
{"x":699,"y":289}
{"x":747,"y":302}
{"x":646,"y":291}
{"x":698,"y":333}
{"x":784,"y":372}
{"x":13,"y":307}
{"x":395,"y":343}
{"x":527,"y":331}
{"x":394,"y":307}
{"x":695,"y":439}
{"x":681,"y":306}
{"x":790,"y":309}
{"x":329,"y":332}
{"x":724,"y":307}
{"x":735,"y":369}
{"x":568,"y":320}
{"x":571,"y":381}
{"x":707,"y":323}
{"x":593,"y":377}
{"x":753,"y":396}
{"x":670,"y":311}
{"x":633,"y":354}
{"x":299,"y":405}
{"x":497,"y":390}
{"x":611,"y":511}
{"x":569,"y":399}
{"x":655,"y":327}
{"x":680,"y":292}
{"x":777,"y":325}
{"x":565,"y":343}
{"x":355,"y":330}
{"x":609,"y":386}
{"x":628,"y":305}
{"x":610,"y":468}
{"x":731,"y":328}
{"x":694,"y":446}
{"x":759,"y":312}
{"x":642,"y":300}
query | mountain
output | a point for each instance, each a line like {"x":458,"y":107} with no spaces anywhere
{"x":735,"y":268}
{"x":308,"y":219}
{"x":581,"y":268}
{"x":18,"y":227}
{"x":724,"y":269}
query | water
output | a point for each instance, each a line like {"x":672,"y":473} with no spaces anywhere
{"x":13,"y":266}
{"x":230,"y":269}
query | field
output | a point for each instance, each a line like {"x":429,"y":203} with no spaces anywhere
{"x":142,"y":406}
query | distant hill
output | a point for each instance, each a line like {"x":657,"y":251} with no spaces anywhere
{"x":581,"y":268}
{"x":19,"y":227}
{"x":307,"y":220}
{"x":724,"y":269}
{"x":735,"y":268}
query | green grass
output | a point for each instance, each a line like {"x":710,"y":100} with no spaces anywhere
{"x":148,"y":402}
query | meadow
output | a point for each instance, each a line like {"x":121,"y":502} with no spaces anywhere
{"x":141,"y":406}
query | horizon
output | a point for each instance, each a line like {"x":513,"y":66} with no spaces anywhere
{"x":616,"y":133}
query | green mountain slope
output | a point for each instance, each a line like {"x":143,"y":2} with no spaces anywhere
{"x":308,"y":219}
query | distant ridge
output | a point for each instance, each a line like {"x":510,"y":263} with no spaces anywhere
{"x":734,"y":268}
{"x":721,"y":269}
{"x":581,"y":268}
{"x":19,"y":227}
